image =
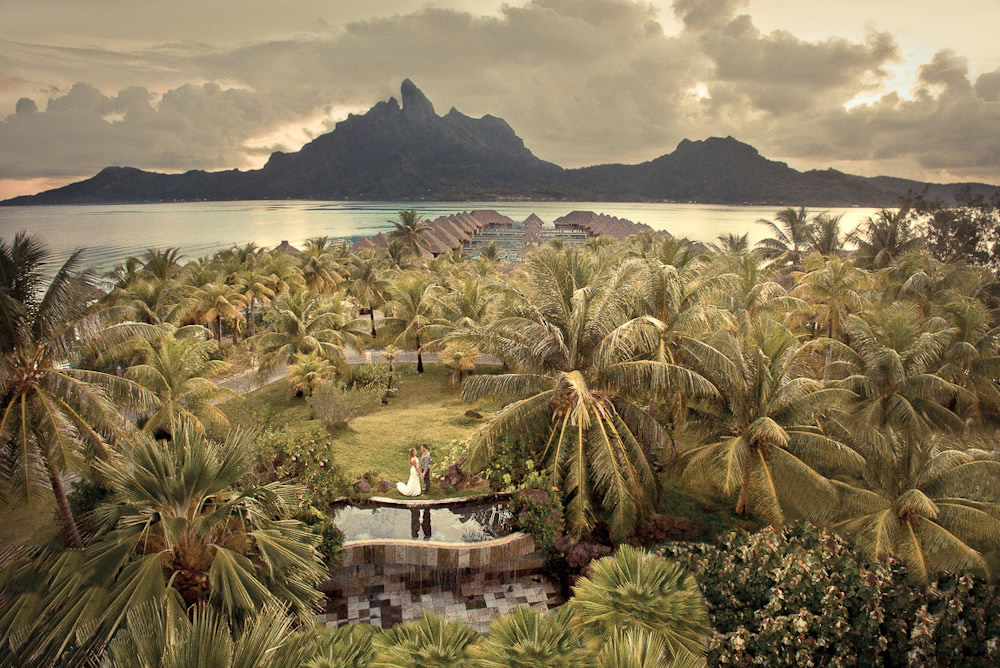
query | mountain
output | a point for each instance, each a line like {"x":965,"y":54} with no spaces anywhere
{"x":406,"y":151}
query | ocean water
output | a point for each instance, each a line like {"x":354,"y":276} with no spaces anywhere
{"x":111,"y":233}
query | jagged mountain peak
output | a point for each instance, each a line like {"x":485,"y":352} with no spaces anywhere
{"x":416,"y":106}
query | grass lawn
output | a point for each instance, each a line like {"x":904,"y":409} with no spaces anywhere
{"x":31,"y":524}
{"x":425,"y":409}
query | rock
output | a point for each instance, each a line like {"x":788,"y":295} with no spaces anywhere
{"x":473,"y":414}
{"x":385,"y":486}
{"x":362,"y":487}
{"x":659,"y":529}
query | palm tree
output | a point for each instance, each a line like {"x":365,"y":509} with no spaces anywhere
{"x":413,"y":307}
{"x":827,"y":239}
{"x":53,"y":416}
{"x":837,"y":288}
{"x":732,"y":244}
{"x":528,"y":638}
{"x":923,"y":502}
{"x":636,"y":591}
{"x":283,"y":273}
{"x":639,"y":649}
{"x":187,"y":520}
{"x":319,"y":272}
{"x":125,"y":273}
{"x":398,"y":254}
{"x":217,"y":301}
{"x":572,"y":387}
{"x":884,"y":238}
{"x":255,"y":288}
{"x":367,"y":284}
{"x":491,"y":252}
{"x":303,"y":324}
{"x":430,"y":642}
{"x":350,"y":646}
{"x":410,"y":229}
{"x":792,"y":233}
{"x":177,"y":370}
{"x":161,"y":264}
{"x":762,"y":444}
{"x":160,"y":634}
{"x":971,"y":360}
{"x":889,"y":369}
{"x":461,"y":359}
{"x":308,"y":371}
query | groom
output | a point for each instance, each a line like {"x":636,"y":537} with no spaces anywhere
{"x":425,"y":466}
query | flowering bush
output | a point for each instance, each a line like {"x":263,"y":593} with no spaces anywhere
{"x":799,"y":596}
{"x":290,"y":454}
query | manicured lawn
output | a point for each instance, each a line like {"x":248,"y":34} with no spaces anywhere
{"x":425,"y":409}
{"x":32,"y":524}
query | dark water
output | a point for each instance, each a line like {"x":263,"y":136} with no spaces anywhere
{"x":467,"y":523}
{"x":110,"y":233}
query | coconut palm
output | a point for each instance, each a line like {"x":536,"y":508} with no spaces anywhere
{"x":732,"y":244}
{"x":410,"y":229}
{"x":573,"y":389}
{"x":125,"y":273}
{"x":971,"y":360}
{"x":889,"y":369}
{"x":924,"y":502}
{"x":255,"y":288}
{"x":884,"y":238}
{"x":461,"y":359}
{"x":399,"y":254}
{"x":308,"y":371}
{"x":161,"y":264}
{"x":176,"y":369}
{"x":920,"y":278}
{"x":161,"y":634}
{"x":367,"y":283}
{"x":492,"y":252}
{"x":215,"y":302}
{"x":54,"y":417}
{"x":835,"y":289}
{"x":284,"y":275}
{"x":762,"y":443}
{"x":468,"y":302}
{"x":528,"y":638}
{"x":413,"y":308}
{"x":827,"y":238}
{"x":430,"y":642}
{"x":636,"y":591}
{"x":319,"y":272}
{"x":303,"y":324}
{"x":186,"y":521}
{"x":792,"y":234}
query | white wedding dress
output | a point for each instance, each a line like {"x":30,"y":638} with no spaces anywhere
{"x":412,"y":486}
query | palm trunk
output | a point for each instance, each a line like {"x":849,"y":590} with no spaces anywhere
{"x":70,"y":530}
{"x":218,"y":329}
{"x":829,"y":350}
{"x":236,"y":332}
{"x":420,"y":359}
{"x":371,"y":312}
{"x":251,"y":323}
{"x":741,"y":503}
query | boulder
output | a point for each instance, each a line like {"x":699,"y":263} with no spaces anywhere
{"x":473,"y":414}
{"x":535,"y":496}
{"x":580,"y":556}
{"x":385,"y":486}
{"x":362,"y":487}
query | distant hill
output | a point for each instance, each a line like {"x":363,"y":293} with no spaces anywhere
{"x":408,"y":152}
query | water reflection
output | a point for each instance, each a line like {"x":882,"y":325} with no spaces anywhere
{"x":468,"y":523}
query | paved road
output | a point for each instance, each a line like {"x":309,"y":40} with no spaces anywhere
{"x":244,"y":382}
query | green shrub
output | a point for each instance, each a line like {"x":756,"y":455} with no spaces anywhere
{"x":301,"y":456}
{"x":331,"y":544}
{"x":538,"y":508}
{"x":511,"y":462}
{"x":335,"y":406}
{"x":370,"y":377}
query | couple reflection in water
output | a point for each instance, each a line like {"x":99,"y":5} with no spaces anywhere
{"x":417,"y":524}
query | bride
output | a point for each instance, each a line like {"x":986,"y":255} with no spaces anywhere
{"x":412,"y":486}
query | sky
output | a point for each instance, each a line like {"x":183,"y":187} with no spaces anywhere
{"x":907,"y":88}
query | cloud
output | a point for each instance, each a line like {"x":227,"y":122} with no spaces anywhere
{"x":582,"y":81}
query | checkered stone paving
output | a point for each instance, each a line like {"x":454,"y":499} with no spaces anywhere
{"x":475,"y":602}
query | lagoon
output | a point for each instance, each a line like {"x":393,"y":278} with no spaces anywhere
{"x":112,"y":232}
